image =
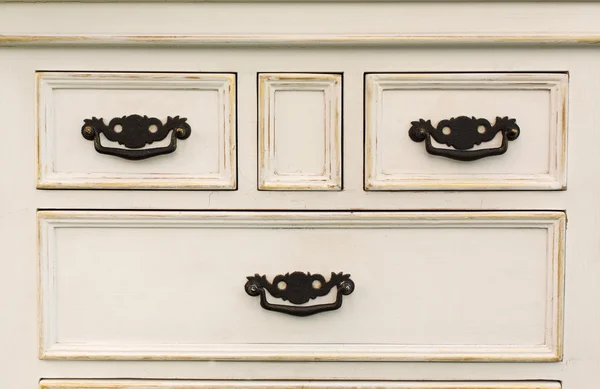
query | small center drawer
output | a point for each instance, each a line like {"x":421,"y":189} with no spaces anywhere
{"x":396,"y":285}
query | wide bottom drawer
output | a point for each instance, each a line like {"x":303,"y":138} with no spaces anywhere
{"x":421,"y":285}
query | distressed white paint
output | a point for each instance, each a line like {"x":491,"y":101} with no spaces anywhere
{"x":535,"y":160}
{"x":190,"y":384}
{"x":127,"y":285}
{"x":300,"y":131}
{"x":297,"y":40}
{"x":365,"y":19}
{"x":205,"y":160}
{"x":342,"y":37}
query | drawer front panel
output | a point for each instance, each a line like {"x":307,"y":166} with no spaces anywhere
{"x":189,"y":384}
{"x":465,"y":131}
{"x":109,"y":108}
{"x":429,"y":286}
{"x":300,"y":131}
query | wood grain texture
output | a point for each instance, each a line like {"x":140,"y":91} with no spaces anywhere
{"x":299,"y":40}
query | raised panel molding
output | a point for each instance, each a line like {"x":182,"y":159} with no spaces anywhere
{"x":460,"y":177}
{"x":175,"y":173}
{"x":50,"y":224}
{"x":259,"y":384}
{"x":564,"y":39}
{"x":300,"y":131}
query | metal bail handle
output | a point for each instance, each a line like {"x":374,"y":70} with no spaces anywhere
{"x":299,"y":288}
{"x":462,"y":134}
{"x":135,"y":132}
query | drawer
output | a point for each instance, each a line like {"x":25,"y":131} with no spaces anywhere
{"x":191,"y":384}
{"x":136,"y":130}
{"x":300,"y":131}
{"x":465,"y":131}
{"x":419,"y":286}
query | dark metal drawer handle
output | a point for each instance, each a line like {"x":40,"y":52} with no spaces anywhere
{"x":135,"y":132}
{"x":299,"y":288}
{"x":462,"y":133}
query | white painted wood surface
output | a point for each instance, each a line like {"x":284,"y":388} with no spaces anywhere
{"x":448,"y":22}
{"x":353,"y":196}
{"x":535,"y":160}
{"x":171,"y":384}
{"x":300,"y":131}
{"x":246,"y":38}
{"x":206,"y":160}
{"x":119,"y":285}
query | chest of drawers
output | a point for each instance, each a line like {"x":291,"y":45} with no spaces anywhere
{"x":239,"y":195}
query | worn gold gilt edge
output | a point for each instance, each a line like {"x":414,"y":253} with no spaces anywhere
{"x":328,"y":83}
{"x":551,"y":351}
{"x":556,"y":83}
{"x":558,"y":255}
{"x":317,"y":215}
{"x":8,"y":40}
{"x":227,"y":181}
{"x":263,"y":384}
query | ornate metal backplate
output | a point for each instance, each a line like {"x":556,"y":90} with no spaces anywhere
{"x":463,"y":133}
{"x":135,"y":132}
{"x":299,"y":288}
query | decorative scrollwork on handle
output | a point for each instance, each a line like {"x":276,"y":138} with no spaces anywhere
{"x":462,"y":134}
{"x":135,"y":132}
{"x":299,"y":288}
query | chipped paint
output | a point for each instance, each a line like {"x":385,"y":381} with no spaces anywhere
{"x":330,"y":177}
{"x":376,"y":179}
{"x":328,"y":384}
{"x":550,"y":350}
{"x":47,"y":134}
{"x":11,"y":40}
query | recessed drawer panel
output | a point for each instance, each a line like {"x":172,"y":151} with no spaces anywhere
{"x":300,"y":131}
{"x":405,"y":285}
{"x":136,"y":130}
{"x":465,"y":131}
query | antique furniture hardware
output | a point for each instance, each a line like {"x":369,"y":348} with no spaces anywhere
{"x":462,"y":134}
{"x":299,"y":288}
{"x":135,"y":132}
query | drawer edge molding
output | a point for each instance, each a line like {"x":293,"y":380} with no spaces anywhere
{"x":548,"y":351}
{"x":261,"y":384}
{"x":275,"y":141}
{"x":51,"y":174}
{"x":286,"y":40}
{"x":553,"y":177}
